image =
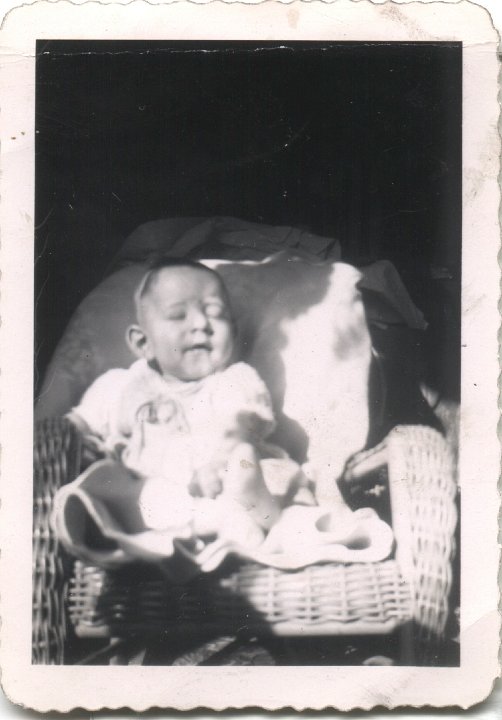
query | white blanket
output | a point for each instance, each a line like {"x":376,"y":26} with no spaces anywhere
{"x":98,"y":518}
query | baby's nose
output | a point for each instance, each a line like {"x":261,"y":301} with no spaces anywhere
{"x":200,"y":321}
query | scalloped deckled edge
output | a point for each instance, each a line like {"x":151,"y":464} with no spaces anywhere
{"x":139,"y":707}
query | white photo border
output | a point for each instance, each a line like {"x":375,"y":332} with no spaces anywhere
{"x":63,"y":688}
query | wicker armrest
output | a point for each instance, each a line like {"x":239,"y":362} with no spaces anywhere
{"x":423,"y":493}
{"x":56,"y":462}
{"x":422,"y":488}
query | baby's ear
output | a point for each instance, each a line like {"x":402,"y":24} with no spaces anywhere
{"x":137,"y":340}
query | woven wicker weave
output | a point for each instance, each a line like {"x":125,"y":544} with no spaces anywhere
{"x":324,"y":599}
{"x":320,"y":599}
{"x":57,"y":460}
{"x":421,"y":477}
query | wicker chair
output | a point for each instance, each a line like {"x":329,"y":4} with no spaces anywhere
{"x":410,"y":589}
{"x":414,"y":465}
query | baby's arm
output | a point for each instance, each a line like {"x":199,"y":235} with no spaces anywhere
{"x":94,"y":415}
{"x":93,"y":448}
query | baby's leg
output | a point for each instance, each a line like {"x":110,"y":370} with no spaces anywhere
{"x":244,"y":484}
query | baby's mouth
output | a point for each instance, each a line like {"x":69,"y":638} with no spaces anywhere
{"x":199,"y":347}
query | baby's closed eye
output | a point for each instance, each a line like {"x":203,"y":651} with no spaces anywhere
{"x":215,"y":309}
{"x":177,"y":316}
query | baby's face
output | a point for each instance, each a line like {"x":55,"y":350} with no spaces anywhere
{"x":187,"y":323}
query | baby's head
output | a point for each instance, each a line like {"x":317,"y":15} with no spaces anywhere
{"x":184,"y":322}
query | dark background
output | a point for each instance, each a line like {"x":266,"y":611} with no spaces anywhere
{"x":359,"y":141}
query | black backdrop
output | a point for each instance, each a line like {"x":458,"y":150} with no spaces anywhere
{"x":361,"y":141}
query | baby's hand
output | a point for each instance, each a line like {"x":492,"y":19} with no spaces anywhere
{"x":93,"y":449}
{"x":208,"y":479}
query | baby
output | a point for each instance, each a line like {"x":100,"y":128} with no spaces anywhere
{"x":186,"y":416}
